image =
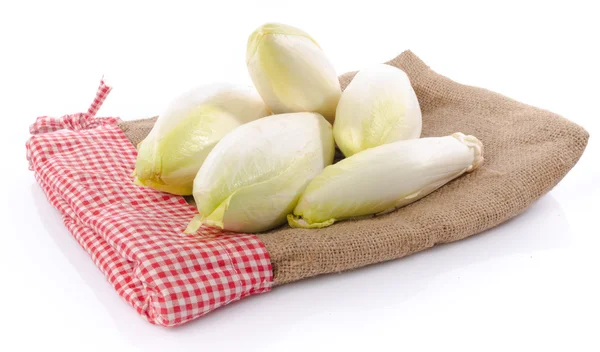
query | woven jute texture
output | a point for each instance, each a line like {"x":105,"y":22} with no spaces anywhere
{"x":527,"y":152}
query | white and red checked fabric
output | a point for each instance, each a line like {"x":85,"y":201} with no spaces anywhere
{"x":135,"y":235}
{"x":78,"y":121}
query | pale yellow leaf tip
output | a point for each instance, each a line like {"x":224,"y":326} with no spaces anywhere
{"x":194,"y":225}
{"x":299,"y":222}
{"x":270,"y":29}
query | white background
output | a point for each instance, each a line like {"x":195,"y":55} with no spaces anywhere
{"x":530,"y":284}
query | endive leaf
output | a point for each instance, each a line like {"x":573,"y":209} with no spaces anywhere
{"x":171,"y":155}
{"x":378,"y":107}
{"x":291,"y":71}
{"x":381,"y":179}
{"x":254,"y":176}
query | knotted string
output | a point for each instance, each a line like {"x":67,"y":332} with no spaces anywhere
{"x":79,"y":121}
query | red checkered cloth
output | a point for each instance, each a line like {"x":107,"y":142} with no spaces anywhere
{"x":79,"y":121}
{"x":135,"y":234}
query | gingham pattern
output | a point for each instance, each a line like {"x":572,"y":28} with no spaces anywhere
{"x":135,"y":234}
{"x":78,"y":121}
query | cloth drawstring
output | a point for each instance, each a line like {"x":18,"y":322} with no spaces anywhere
{"x":79,"y":121}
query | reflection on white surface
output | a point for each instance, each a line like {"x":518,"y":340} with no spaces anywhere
{"x":399,"y":285}
{"x":77,"y":256}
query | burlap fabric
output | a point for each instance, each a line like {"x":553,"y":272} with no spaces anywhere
{"x":527,"y":151}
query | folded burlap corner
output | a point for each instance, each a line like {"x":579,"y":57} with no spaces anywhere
{"x":527,"y":152}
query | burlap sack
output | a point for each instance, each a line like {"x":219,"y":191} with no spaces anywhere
{"x":527,"y":151}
